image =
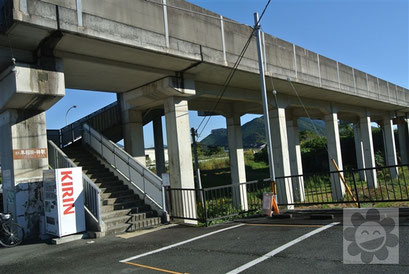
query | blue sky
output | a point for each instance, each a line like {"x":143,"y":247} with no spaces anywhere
{"x":370,"y":35}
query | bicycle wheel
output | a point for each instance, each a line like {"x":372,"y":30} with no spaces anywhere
{"x":11,"y":235}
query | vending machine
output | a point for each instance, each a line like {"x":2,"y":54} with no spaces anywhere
{"x":64,"y":201}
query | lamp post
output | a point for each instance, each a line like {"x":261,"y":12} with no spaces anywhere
{"x":66,"y":114}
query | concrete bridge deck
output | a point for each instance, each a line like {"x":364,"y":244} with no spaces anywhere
{"x":120,"y":46}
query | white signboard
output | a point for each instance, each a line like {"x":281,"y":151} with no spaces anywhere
{"x":66,"y":200}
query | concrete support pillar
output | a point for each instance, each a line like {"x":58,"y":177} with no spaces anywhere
{"x":24,"y":157}
{"x":369,"y":153}
{"x":133,"y":134}
{"x":237,"y":165}
{"x":295,"y":160}
{"x":25,"y":93}
{"x":391,"y":158}
{"x":159,"y":148}
{"x":403,"y":133}
{"x":281,"y":155}
{"x":334,"y":152}
{"x":180,"y":156}
{"x":359,"y":151}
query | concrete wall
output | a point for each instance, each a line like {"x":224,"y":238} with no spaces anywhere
{"x":150,"y":152}
{"x":142,"y":14}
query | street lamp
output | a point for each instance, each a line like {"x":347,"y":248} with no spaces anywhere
{"x":66,"y":114}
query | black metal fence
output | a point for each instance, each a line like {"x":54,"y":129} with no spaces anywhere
{"x":215,"y":203}
{"x":368,"y":186}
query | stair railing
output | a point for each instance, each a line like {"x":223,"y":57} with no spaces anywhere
{"x":101,"y":119}
{"x":144,"y":180}
{"x":92,"y":194}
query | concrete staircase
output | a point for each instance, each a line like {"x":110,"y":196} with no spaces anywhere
{"x":121,"y":209}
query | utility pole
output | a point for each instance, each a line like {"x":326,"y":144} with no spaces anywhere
{"x":198,"y":183}
{"x":265,"y":102}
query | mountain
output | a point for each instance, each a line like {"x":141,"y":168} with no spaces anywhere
{"x":254,"y":134}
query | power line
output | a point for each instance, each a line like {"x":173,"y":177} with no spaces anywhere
{"x":232,"y":71}
{"x":308,"y":114}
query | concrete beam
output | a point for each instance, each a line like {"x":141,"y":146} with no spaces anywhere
{"x":156,"y":93}
{"x":31,"y":89}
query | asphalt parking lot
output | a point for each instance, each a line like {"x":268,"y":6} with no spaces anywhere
{"x":258,"y":245}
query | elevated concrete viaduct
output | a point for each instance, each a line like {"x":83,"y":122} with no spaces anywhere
{"x":173,"y":56}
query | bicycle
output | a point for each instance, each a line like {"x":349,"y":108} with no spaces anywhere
{"x":11,"y":233}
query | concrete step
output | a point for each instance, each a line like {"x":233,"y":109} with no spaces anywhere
{"x":100,"y":174}
{"x":119,"y":200}
{"x":104,"y":179}
{"x":86,"y":167}
{"x":85,"y":162}
{"x":148,"y":222}
{"x":109,"y":184}
{"x":144,"y":215}
{"x":83,"y":159}
{"x":112,"y":189}
{"x":116,"y":194}
{"x":80,"y":155}
{"x":117,"y":221}
{"x":125,"y":205}
{"x":116,"y":213}
{"x":132,"y":225}
{"x":130,"y":213}
{"x":95,"y":169}
{"x":141,"y":209}
{"x":120,"y":228}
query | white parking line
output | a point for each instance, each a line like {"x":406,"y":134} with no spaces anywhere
{"x":281,"y":248}
{"x":178,"y":244}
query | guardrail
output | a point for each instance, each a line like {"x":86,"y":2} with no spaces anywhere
{"x":145,"y":182}
{"x":92,"y":194}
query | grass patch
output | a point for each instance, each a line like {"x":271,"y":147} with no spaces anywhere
{"x":214,"y":164}
{"x":216,"y":172}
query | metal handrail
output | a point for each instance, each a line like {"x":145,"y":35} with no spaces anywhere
{"x":73,"y":132}
{"x":58,"y":159}
{"x":146,"y":182}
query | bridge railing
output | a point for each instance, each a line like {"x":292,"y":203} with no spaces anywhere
{"x":92,"y":194}
{"x":138,"y":176}
{"x":101,"y":120}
